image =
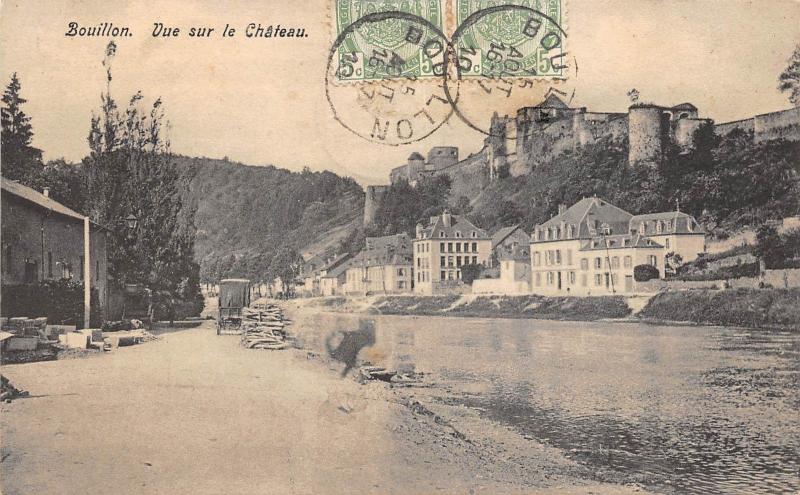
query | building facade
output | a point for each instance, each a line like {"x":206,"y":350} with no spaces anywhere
{"x":592,"y":248}
{"x":383,"y":267}
{"x":443,"y":247}
{"x":44,"y":240}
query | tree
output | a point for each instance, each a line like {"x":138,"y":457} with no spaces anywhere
{"x":673,"y":262}
{"x":18,"y":155}
{"x":769,"y":247}
{"x":643,"y":273}
{"x":470,"y":272}
{"x":65,"y":181}
{"x":789,"y":80}
{"x":131,"y":171}
{"x":286,"y":264}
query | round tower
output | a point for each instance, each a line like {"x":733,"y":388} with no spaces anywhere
{"x":372,"y":201}
{"x":646,"y":133}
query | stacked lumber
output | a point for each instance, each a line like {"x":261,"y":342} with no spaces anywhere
{"x":263,"y":327}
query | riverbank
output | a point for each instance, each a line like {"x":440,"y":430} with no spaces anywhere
{"x":480,"y":306}
{"x":757,"y":308}
{"x":196,"y":413}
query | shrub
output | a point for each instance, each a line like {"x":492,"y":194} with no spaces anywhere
{"x":643,"y":273}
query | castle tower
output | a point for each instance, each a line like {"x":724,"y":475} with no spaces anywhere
{"x":415,"y":166}
{"x":440,"y":157}
{"x":372,"y":201}
{"x":648,"y":129}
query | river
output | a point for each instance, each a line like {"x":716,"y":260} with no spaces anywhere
{"x":678,"y":409}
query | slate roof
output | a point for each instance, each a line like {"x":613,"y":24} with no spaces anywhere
{"x":591,"y":209}
{"x":552,"y":101}
{"x":618,"y":242}
{"x":336,"y":261}
{"x":678,"y":223}
{"x":338,"y":270}
{"x":39,"y":199}
{"x":503,"y":233}
{"x":457,"y":224}
{"x":416,"y":156}
{"x":400,"y":243}
{"x":685,"y":106}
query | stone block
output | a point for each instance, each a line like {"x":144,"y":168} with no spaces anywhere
{"x":22,"y":343}
{"x":74,"y":340}
{"x":53,"y":331}
{"x":94,"y":334}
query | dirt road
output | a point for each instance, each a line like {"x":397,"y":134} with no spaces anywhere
{"x":195,"y":413}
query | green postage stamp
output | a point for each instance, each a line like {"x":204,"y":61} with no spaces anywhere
{"x":389,"y":39}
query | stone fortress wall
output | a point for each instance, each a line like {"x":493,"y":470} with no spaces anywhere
{"x":551,"y":128}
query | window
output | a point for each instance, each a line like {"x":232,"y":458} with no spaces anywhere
{"x":627,"y":261}
{"x":450,"y":261}
{"x":615,"y":262}
{"x":598,"y":280}
{"x":419,"y":262}
{"x":441,"y":233}
{"x":666,"y":242}
{"x":569,"y":257}
{"x":449,"y":247}
{"x":474,"y":247}
{"x":441,"y":247}
{"x":442,"y":275}
{"x":400,"y":272}
{"x":449,"y":275}
{"x":458,"y":233}
{"x":598,"y":263}
{"x":536,"y":259}
{"x":652,"y":260}
{"x":474,"y":260}
{"x":474,"y":234}
{"x":458,"y":247}
{"x":569,"y":231}
{"x":442,"y":261}
{"x":558,"y":256}
{"x":658,"y":227}
{"x":458,"y":261}
{"x":49,"y":264}
{"x":584,"y":263}
{"x":550,"y":277}
{"x":401,"y":284}
{"x":642,"y":228}
{"x":466,"y":247}
{"x":31,"y":271}
{"x":571,"y":278}
{"x":668,"y":225}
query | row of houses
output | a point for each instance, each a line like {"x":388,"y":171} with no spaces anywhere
{"x":590,"y":248}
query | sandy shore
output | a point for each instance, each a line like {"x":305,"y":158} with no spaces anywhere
{"x":196,"y":413}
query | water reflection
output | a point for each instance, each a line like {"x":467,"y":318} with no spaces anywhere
{"x":700,"y":410}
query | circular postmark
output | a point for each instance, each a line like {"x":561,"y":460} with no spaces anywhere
{"x":385,"y":77}
{"x":509,"y":57}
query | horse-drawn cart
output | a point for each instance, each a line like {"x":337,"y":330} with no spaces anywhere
{"x":234,"y":294}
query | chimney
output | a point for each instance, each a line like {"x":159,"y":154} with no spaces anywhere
{"x":419,"y":231}
{"x":446,"y":218}
{"x":433,"y":220}
{"x":46,"y":192}
{"x":562,"y":208}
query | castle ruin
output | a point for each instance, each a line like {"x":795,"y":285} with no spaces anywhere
{"x":539,"y":133}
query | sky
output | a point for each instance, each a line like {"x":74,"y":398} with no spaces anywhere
{"x":262,"y":101}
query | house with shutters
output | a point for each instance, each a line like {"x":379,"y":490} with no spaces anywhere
{"x":592,"y":247}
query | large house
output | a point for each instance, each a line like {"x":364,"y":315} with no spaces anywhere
{"x":443,"y":247}
{"x":384,"y":266}
{"x":509,"y":240}
{"x":331,"y":277}
{"x":592,"y":247}
{"x":44,"y":240}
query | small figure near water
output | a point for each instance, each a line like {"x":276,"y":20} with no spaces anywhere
{"x":351,"y":344}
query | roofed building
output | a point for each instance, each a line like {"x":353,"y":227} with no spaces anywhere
{"x":443,"y":247}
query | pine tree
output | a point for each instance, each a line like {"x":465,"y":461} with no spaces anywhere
{"x":18,"y":157}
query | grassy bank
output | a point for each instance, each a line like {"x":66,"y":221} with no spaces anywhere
{"x":739,"y":307}
{"x":530,"y":306}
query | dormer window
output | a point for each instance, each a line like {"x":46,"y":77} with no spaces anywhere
{"x":642,"y":228}
{"x":658,"y":227}
{"x":441,"y":233}
{"x":569,"y":231}
{"x":474,"y":234}
{"x":458,"y":233}
{"x":668,"y":225}
{"x":689,"y":225}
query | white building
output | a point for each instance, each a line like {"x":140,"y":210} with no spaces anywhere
{"x":443,"y":247}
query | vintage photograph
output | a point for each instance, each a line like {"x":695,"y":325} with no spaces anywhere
{"x":400,"y":247}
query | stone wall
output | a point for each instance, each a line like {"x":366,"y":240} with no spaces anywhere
{"x":778,"y":125}
{"x":372,"y":200}
{"x":646,"y":134}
